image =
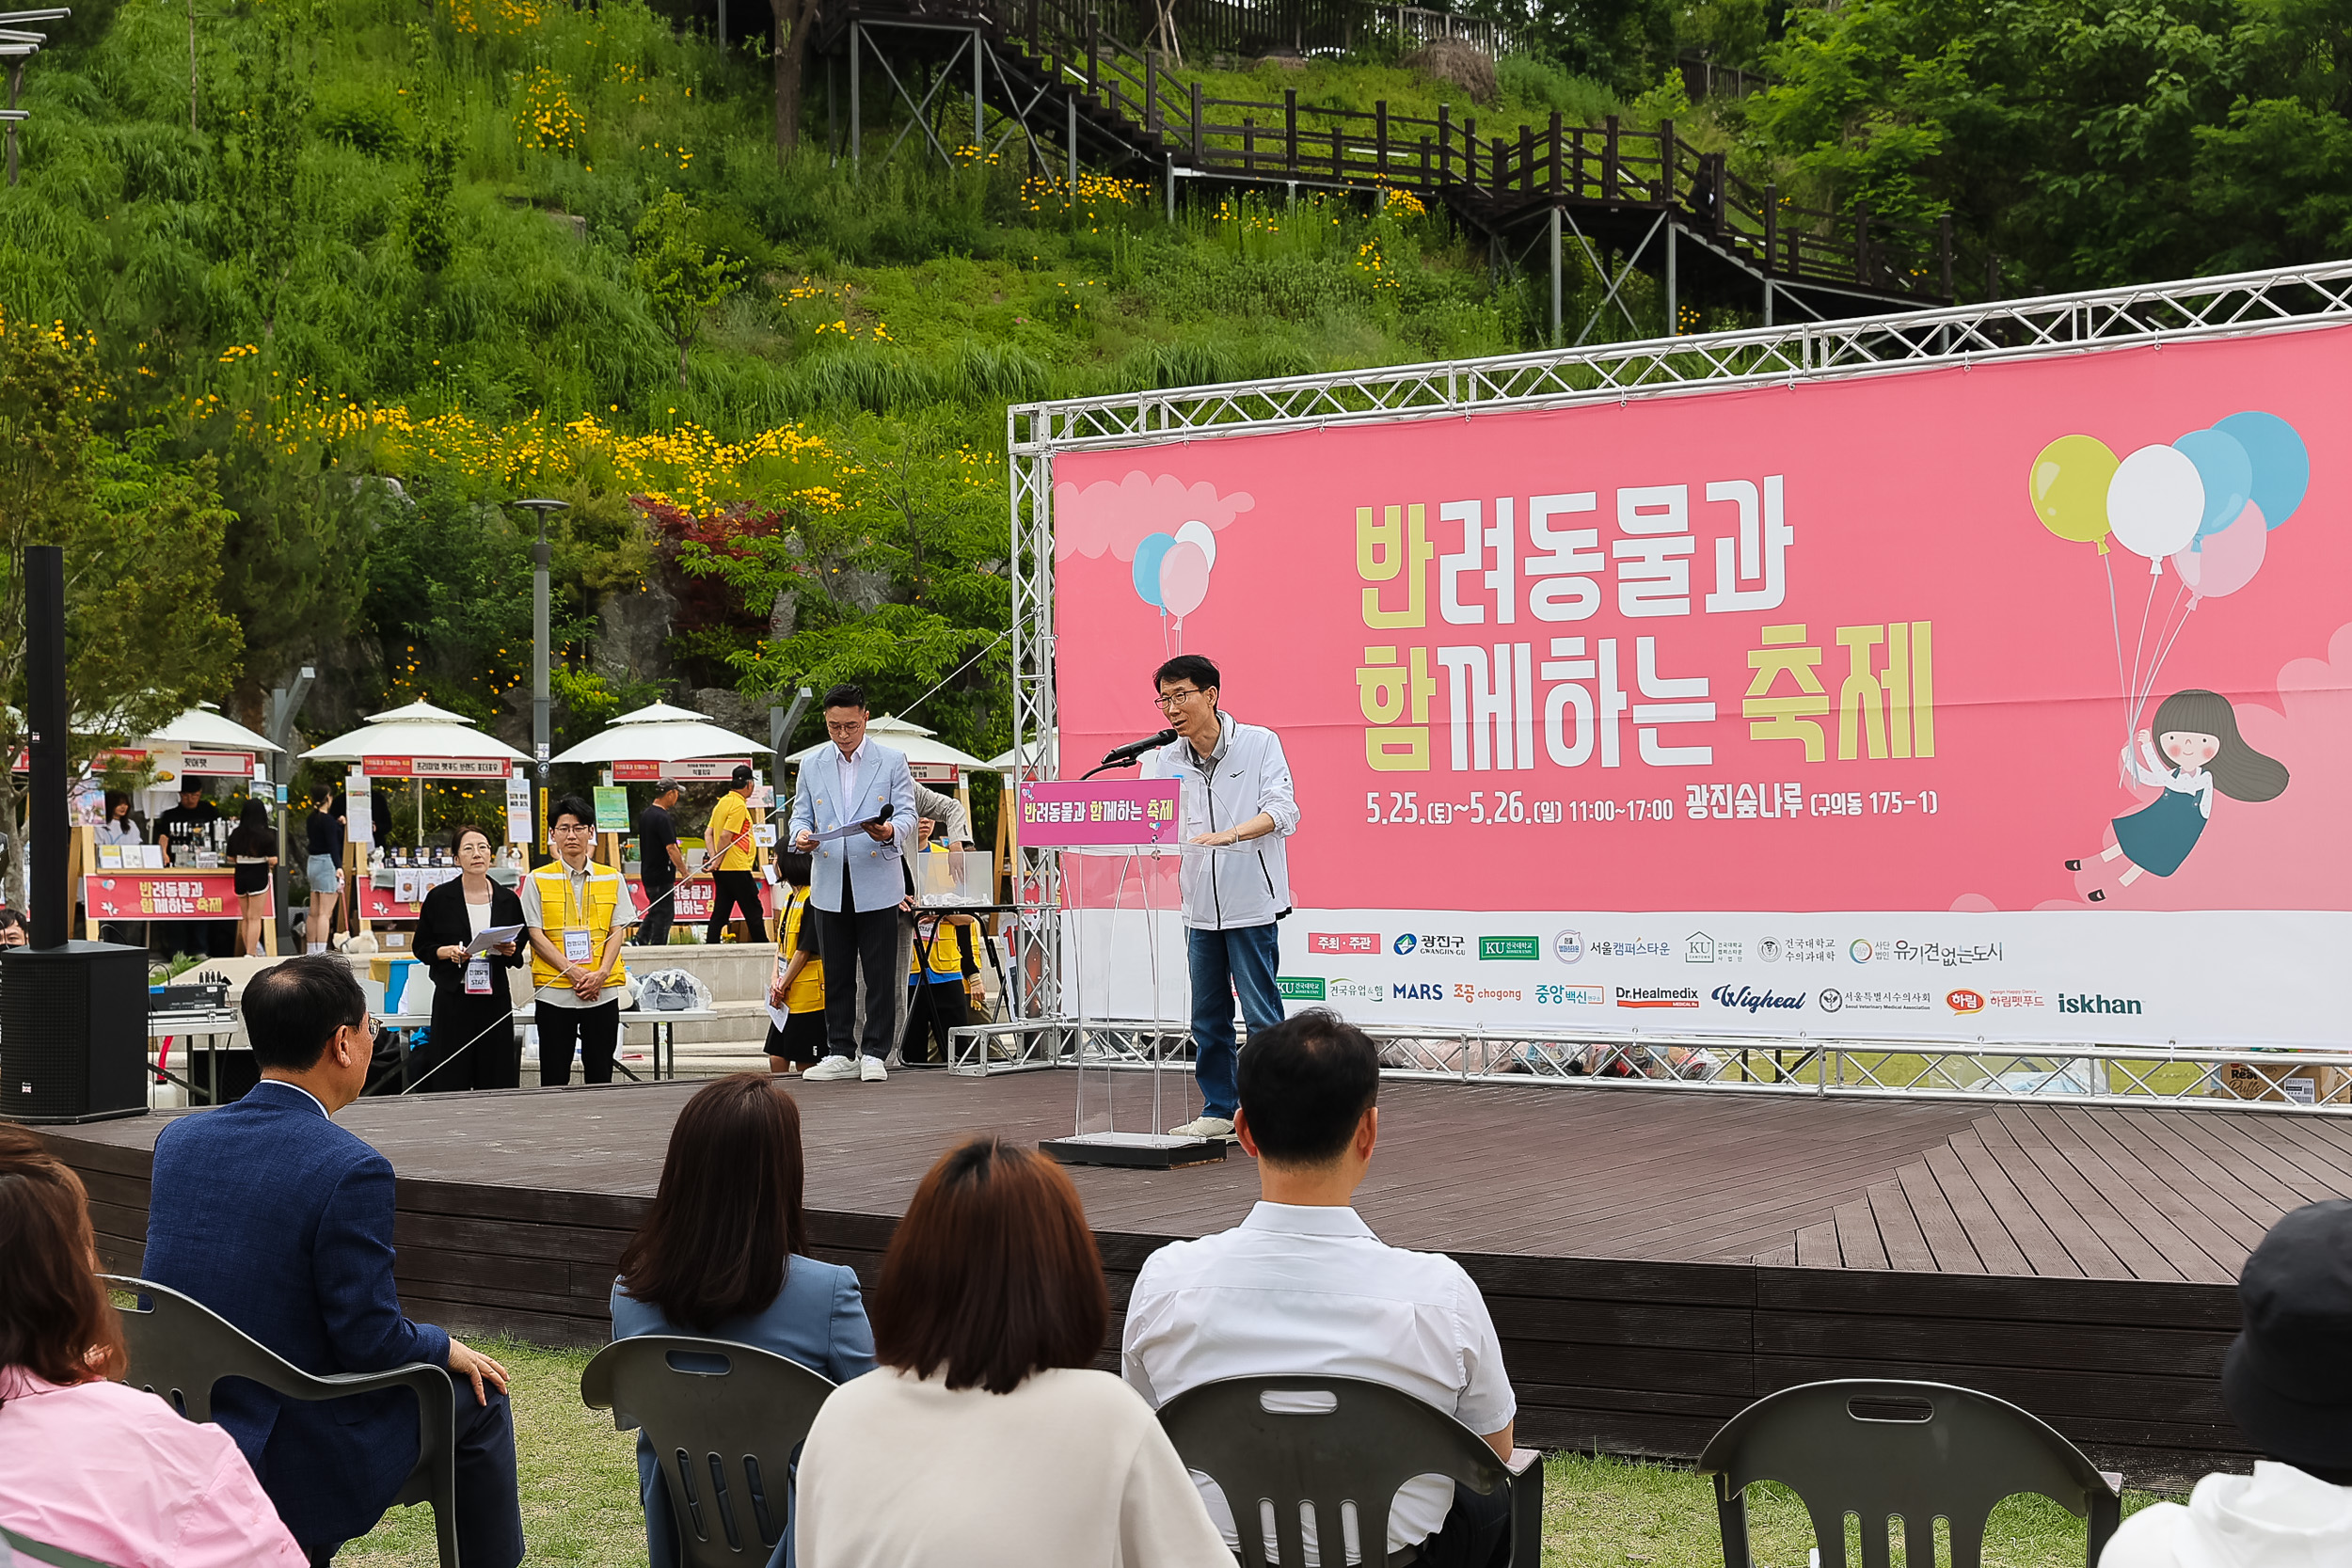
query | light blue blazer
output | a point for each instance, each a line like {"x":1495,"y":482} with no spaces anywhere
{"x":817,"y":1318}
{"x":824,"y":800}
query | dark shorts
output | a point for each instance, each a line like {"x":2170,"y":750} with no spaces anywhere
{"x":802,"y":1039}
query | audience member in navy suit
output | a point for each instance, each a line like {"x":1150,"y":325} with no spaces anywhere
{"x":281,"y":1222}
{"x":722,"y":1255}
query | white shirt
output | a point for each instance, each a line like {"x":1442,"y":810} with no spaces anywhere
{"x":2278,"y":1517}
{"x":1068,"y":1469}
{"x":1250,"y":883}
{"x":624,"y":913}
{"x":1309,"y":1290}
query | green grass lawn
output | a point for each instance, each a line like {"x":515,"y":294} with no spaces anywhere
{"x":579,"y":1499}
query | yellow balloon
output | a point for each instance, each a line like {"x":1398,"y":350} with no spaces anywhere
{"x":2069,"y":487}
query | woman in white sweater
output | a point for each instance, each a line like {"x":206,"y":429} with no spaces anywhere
{"x":984,"y":1439}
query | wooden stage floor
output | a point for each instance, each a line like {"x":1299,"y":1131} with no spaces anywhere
{"x":1654,"y":1260}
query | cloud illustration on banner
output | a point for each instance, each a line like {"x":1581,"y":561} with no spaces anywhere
{"x":1119,"y":520}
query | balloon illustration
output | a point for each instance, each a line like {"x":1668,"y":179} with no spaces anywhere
{"x":1184,"y":578}
{"x":2154,"y":502}
{"x":2227,"y":473}
{"x":2067,"y":483}
{"x":2224,"y":563}
{"x":1201,"y":534}
{"x":2283,"y":465}
{"x":1147,"y":574}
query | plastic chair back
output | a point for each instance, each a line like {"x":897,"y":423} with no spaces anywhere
{"x":726,"y":1422}
{"x":179,"y":1348}
{"x":1912,"y":1451}
{"x":24,"y":1549}
{"x":1328,"y":1441}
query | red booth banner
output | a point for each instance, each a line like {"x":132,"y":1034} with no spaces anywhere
{"x":694,"y":770}
{"x":175,"y":894}
{"x":435,"y":767}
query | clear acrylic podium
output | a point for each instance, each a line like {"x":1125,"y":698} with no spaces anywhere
{"x":1122,"y":1046}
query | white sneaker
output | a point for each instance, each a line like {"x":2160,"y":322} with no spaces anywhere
{"x":833,"y":1069}
{"x":870,"y":1070}
{"x":1206,"y":1126}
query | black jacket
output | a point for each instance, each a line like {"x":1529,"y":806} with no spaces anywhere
{"x":441,"y":922}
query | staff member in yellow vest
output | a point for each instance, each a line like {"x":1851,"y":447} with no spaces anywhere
{"x":580,"y":914}
{"x":729,"y":835}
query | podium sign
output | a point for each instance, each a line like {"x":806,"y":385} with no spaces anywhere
{"x":1086,"y":814}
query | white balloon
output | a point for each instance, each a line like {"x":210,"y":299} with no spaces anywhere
{"x":2155,"y":501}
{"x":1201,"y":534}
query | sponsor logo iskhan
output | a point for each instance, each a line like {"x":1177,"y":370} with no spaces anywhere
{"x":2084,"y":1002}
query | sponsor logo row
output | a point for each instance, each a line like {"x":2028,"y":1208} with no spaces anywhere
{"x":1698,"y":947}
{"x":1754,"y":1001}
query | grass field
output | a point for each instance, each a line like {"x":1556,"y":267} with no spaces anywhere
{"x":579,"y":1499}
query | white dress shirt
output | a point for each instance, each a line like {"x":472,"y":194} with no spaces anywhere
{"x":1310,"y":1290}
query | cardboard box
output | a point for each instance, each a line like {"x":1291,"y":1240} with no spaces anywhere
{"x":2306,"y":1084}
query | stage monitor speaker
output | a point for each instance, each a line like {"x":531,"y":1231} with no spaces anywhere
{"x":72,"y":1032}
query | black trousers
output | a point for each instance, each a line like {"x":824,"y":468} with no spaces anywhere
{"x":472,"y":1044}
{"x":597,"y":1030}
{"x":939,"y":1006}
{"x":489,"y":1512}
{"x":1476,"y":1532}
{"x":736,"y":890}
{"x":660,"y":910}
{"x":848,"y":940}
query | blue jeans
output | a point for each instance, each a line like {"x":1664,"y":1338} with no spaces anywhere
{"x":1223,"y":963}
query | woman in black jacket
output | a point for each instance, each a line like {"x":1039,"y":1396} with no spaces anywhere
{"x":472,"y":1044}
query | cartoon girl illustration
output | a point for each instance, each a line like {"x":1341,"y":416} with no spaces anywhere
{"x":2194,"y":751}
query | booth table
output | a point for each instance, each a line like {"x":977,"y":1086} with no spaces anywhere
{"x":211,"y":1025}
{"x":662,"y":1022}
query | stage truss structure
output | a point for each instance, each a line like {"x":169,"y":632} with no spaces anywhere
{"x":2095,"y":320}
{"x":1857,"y":1069}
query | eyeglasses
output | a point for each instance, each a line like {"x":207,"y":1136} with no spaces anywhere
{"x":1174,"y":699}
{"x":572,"y":827}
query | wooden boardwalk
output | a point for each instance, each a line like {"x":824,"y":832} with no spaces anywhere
{"x":1654,"y":1260}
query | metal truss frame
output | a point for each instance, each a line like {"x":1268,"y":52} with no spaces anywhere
{"x":2293,"y":298}
{"x":1855,"y":1068}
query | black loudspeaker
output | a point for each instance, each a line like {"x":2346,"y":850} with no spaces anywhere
{"x":72,"y":1032}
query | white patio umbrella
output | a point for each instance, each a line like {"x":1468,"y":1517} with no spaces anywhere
{"x":662,"y":734}
{"x":1006,"y":761}
{"x":419,"y":730}
{"x":203,"y":728}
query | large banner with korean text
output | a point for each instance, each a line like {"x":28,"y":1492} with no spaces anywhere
{"x":2008,"y":702}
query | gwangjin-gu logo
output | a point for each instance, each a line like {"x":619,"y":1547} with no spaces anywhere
{"x":1754,"y":1000}
{"x":1406,"y":943}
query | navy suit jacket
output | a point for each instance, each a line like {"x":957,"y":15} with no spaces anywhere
{"x":281,"y":1222}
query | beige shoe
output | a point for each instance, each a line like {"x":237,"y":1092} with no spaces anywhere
{"x":1206,"y":1128}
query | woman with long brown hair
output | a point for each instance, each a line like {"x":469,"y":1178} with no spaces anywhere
{"x":988,"y":1439}
{"x":722,"y":1256}
{"x":98,"y":1468}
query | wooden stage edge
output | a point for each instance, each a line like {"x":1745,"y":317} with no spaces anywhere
{"x":1654,"y":1261}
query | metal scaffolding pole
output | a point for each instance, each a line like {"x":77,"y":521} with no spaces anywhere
{"x":1555,"y":277}
{"x":857,"y":125}
{"x":1673,"y":315}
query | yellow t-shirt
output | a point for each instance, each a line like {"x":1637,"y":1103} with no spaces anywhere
{"x":730,"y":816}
{"x":807,"y":992}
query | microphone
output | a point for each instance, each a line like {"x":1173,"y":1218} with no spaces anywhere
{"x":1121,"y":755}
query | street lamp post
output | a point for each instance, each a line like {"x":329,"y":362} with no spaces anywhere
{"x":540,"y":557}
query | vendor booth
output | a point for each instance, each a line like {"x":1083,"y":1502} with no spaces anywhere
{"x":146,"y":882}
{"x":420,"y":743}
{"x":664,"y":741}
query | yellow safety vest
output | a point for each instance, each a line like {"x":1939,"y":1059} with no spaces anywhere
{"x":556,"y":910}
{"x":808,"y":988}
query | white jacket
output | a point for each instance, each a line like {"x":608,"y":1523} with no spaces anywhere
{"x":2278,"y":1517}
{"x":1250,"y":884}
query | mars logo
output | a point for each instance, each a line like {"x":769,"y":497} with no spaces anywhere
{"x":1406,"y":943}
{"x":1428,"y":990}
{"x":1964,"y":1001}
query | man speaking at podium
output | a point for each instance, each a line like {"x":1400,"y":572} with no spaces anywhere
{"x":1236,"y":790}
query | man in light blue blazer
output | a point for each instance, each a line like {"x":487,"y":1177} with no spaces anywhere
{"x":281,"y":1222}
{"x":856,"y":883}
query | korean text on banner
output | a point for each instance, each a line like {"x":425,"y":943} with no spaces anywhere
{"x":1077,"y":814}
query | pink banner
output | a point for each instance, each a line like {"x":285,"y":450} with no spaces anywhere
{"x":165,"y":895}
{"x":2069,"y":634}
{"x":1098,"y":812}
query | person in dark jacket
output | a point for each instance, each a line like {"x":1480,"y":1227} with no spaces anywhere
{"x":472,"y":1044}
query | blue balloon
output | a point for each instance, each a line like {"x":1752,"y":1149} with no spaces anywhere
{"x":2227,"y":472}
{"x":2283,"y":465}
{"x":1148,"y":568}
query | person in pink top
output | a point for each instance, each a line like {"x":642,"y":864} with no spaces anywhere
{"x":91,"y":1465}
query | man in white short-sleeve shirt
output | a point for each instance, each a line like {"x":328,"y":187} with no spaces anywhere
{"x":1303,"y":1286}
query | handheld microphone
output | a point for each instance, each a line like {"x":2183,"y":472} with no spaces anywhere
{"x":1120,"y":755}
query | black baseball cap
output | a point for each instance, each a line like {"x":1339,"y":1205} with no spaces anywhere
{"x":742,"y":773}
{"x":2287,"y":1380}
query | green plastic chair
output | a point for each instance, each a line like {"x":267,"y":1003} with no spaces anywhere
{"x":179,"y":1348}
{"x":726,"y":1422}
{"x":29,"y":1550}
{"x":1913,"y":1451}
{"x":1370,"y":1440}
